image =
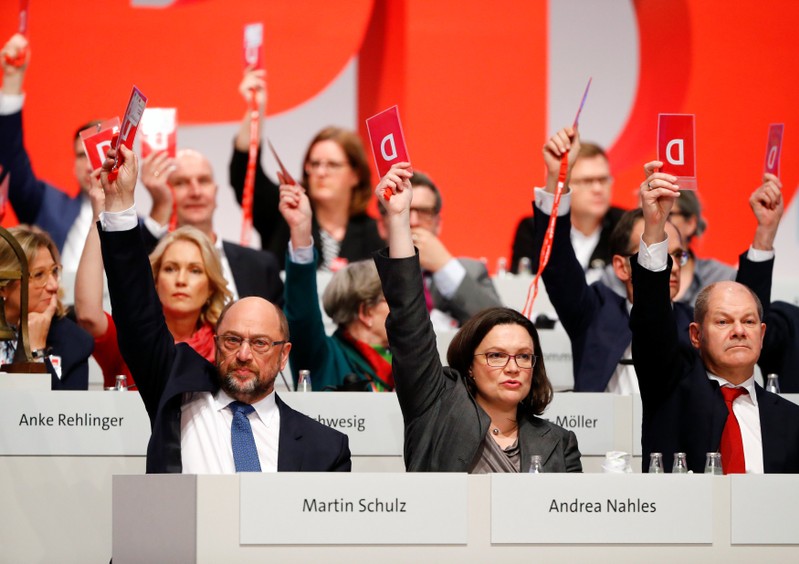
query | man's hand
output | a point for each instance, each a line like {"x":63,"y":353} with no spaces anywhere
{"x":658,"y":193}
{"x":433,"y":255}
{"x":296,"y":209}
{"x":119,"y":193}
{"x":39,"y":324}
{"x":254,"y":82}
{"x":567,"y":139}
{"x":767,"y":205}
{"x":13,"y":76}
{"x":155,"y":170}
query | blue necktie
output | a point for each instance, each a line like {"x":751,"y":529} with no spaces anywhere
{"x":245,"y":455}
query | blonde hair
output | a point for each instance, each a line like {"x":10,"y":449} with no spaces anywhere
{"x":220,"y":294}
{"x":353,"y":285}
{"x":31,"y":239}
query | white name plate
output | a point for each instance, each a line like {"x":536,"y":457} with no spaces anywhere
{"x":793,"y":398}
{"x":763,"y":509}
{"x":73,"y":423}
{"x":342,"y":508}
{"x":590,"y":416}
{"x":373,"y":422}
{"x":601,"y":509}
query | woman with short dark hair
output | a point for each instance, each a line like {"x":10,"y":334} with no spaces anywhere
{"x":480,"y":414}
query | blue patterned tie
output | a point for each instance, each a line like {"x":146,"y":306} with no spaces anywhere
{"x":245,"y":455}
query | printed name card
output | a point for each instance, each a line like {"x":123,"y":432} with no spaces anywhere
{"x":601,"y":509}
{"x":677,"y":148}
{"x":373,"y":422}
{"x":73,"y":423}
{"x":592,"y":418}
{"x":344,"y":508}
{"x":763,"y":509}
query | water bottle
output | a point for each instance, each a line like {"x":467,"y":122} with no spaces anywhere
{"x":535,"y":465}
{"x":502,"y":267}
{"x":773,"y":384}
{"x":656,"y":463}
{"x":680,"y":464}
{"x":121,"y":383}
{"x":525,"y":267}
{"x":304,"y":383}
{"x":713,"y":464}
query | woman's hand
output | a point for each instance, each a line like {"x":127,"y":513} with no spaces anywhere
{"x":39,"y":325}
{"x":397,"y":206}
{"x":296,"y":209}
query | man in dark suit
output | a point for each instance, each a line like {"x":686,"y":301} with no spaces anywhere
{"x":192,"y":403}
{"x":709,"y":402}
{"x":190,"y":178}
{"x":595,"y":317}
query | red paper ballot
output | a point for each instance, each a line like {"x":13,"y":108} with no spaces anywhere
{"x":677,"y":148}
{"x":159,"y":131}
{"x":97,"y":140}
{"x":253,"y":45}
{"x":283,"y":175}
{"x":387,"y":139}
{"x":774,"y":148}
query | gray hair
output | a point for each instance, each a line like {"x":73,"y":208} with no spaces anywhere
{"x":353,"y":285}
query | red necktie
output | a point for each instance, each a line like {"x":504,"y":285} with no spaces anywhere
{"x":732,"y":445}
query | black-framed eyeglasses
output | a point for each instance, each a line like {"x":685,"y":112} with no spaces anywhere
{"x":41,"y":276}
{"x":680,"y":257}
{"x":231,"y":343}
{"x":501,"y":359}
{"x":425,"y":214}
{"x":679,"y":213}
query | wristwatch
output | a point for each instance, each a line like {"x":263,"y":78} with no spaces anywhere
{"x":39,"y":354}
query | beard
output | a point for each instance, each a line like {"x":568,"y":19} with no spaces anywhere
{"x":252,"y":389}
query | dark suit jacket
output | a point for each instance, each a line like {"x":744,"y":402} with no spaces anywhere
{"x":524,"y":240}
{"x":360,"y":239}
{"x":444,"y":425}
{"x":255,"y":273}
{"x":780,"y":353}
{"x":683,"y":410}
{"x":594,"y":317}
{"x":164,"y":371}
{"x":74,"y":346}
{"x":34,"y":201}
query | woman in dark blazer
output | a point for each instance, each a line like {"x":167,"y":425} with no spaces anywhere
{"x":481,"y":414}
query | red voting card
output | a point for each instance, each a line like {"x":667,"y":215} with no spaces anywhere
{"x":3,"y":192}
{"x":97,"y":140}
{"x":774,"y":148}
{"x":283,"y":174}
{"x":159,"y":131}
{"x":253,"y":45}
{"x":387,"y":139}
{"x":677,"y":148}
{"x":23,"y":16}
{"x":130,"y":124}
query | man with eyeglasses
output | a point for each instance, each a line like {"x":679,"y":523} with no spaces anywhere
{"x":707,"y":402}
{"x":456,"y":288}
{"x":592,"y":216}
{"x":206,"y":418}
{"x":596,"y":317}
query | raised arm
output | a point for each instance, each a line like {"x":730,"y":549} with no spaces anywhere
{"x":144,"y":339}
{"x":89,"y":277}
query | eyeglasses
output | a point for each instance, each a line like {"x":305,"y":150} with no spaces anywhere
{"x":680,"y":257}
{"x":332,"y":166}
{"x":501,"y":359}
{"x":679,"y":213}
{"x":590,"y":181}
{"x":425,"y":214}
{"x":39,"y":278}
{"x":231,"y":343}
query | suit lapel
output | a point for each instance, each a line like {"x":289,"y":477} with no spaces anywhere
{"x":289,"y":452}
{"x":769,"y":430}
{"x":535,"y":438}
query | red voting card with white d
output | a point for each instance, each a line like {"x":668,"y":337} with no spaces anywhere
{"x":159,"y":131}
{"x":97,"y":140}
{"x":774,"y":148}
{"x":387,"y":139}
{"x":253,"y":45}
{"x":677,"y":148}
